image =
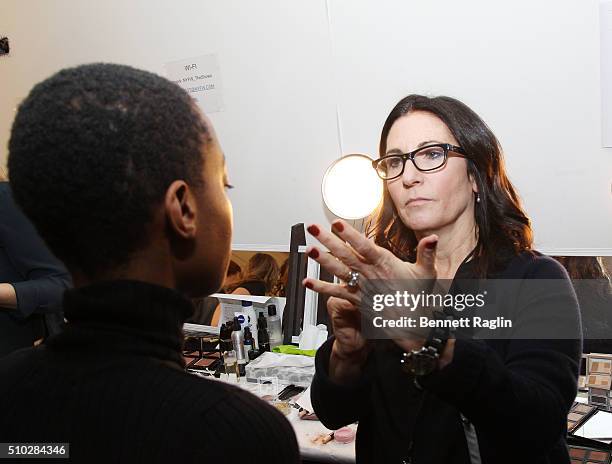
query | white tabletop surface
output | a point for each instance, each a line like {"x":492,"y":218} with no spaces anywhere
{"x":305,"y":431}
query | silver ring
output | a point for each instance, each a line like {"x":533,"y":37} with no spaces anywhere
{"x":352,"y":280}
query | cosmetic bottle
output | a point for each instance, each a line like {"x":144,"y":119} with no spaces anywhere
{"x":262,"y":334}
{"x":238,"y":342}
{"x":225,"y":337}
{"x":250,"y":318}
{"x":249,"y":345}
{"x":274,"y":327}
{"x":249,"y":342}
{"x":262,"y":323}
{"x":230,"y":365}
{"x":253,"y":354}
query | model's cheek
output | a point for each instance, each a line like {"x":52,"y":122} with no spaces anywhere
{"x":229,"y":215}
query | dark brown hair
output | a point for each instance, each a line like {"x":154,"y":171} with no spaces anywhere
{"x":261,"y":267}
{"x":280,"y":289}
{"x":503,"y":228}
{"x":233,"y":268}
{"x":583,"y":267}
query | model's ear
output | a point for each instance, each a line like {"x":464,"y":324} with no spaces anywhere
{"x":181,"y":210}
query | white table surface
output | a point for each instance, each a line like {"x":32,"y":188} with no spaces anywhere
{"x":305,"y":430}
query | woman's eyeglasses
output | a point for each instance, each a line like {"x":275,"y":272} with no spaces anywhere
{"x":428,"y":158}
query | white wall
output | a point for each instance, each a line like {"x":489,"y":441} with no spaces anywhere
{"x":529,"y":68}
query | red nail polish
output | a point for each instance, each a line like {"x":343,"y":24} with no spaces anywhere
{"x":308,"y":285}
{"x":338,"y":226}
{"x":314,"y":253}
{"x":313,"y":230}
{"x":431,"y":245}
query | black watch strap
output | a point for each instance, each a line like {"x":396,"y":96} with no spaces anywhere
{"x":438,"y":336}
{"x":425,"y":360}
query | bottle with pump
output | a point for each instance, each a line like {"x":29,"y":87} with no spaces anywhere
{"x":225,"y":338}
{"x":274,"y":327}
{"x":262,"y":334}
{"x":249,"y":341}
{"x":238,"y":342}
{"x":250,"y":318}
{"x":249,"y":344}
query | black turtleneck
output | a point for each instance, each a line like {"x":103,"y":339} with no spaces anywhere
{"x":113,"y":386}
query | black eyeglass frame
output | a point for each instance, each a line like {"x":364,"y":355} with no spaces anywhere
{"x":446,"y":147}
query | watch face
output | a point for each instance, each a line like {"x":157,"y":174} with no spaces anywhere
{"x":420,"y":362}
{"x":425,"y":364}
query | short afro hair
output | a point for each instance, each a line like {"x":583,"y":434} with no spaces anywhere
{"x":93,"y":150}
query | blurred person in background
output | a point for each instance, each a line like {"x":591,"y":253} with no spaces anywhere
{"x":592,"y":285}
{"x":32,"y":279}
{"x":259,"y":278}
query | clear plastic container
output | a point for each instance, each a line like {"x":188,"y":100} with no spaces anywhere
{"x":231,"y":364}
{"x":268,"y":387}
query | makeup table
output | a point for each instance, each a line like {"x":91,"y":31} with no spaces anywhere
{"x":305,"y":431}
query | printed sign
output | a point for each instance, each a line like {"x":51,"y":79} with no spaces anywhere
{"x":200,"y":77}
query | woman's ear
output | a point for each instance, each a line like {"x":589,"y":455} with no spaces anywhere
{"x":474,"y":184}
{"x":181,"y":210}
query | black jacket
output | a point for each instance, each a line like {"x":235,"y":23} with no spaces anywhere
{"x":38,"y":277}
{"x":112,"y":384}
{"x":516,"y":392}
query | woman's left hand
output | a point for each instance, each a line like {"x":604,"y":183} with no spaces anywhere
{"x":352,"y":251}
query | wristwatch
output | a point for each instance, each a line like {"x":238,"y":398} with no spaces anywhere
{"x":425,"y":360}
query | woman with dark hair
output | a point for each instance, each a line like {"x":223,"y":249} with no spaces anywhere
{"x":259,"y":277}
{"x":431,"y":396}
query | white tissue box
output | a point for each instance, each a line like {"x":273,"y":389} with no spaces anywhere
{"x":288,"y":368}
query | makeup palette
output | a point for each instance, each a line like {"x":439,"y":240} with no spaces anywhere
{"x":582,"y":383}
{"x":190,"y":357}
{"x":585,"y":455}
{"x":205,"y":362}
{"x":582,"y":376}
{"x":601,"y":398}
{"x":208,"y":361}
{"x":600,"y":364}
{"x":579,"y":413}
{"x":601,"y":381}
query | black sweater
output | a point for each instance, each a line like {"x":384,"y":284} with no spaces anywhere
{"x":516,"y":393}
{"x":112,"y":385}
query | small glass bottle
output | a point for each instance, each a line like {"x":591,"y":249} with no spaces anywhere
{"x":229,"y":361}
{"x":274,"y":327}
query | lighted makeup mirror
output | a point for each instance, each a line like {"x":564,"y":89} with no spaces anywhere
{"x":351,"y":188}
